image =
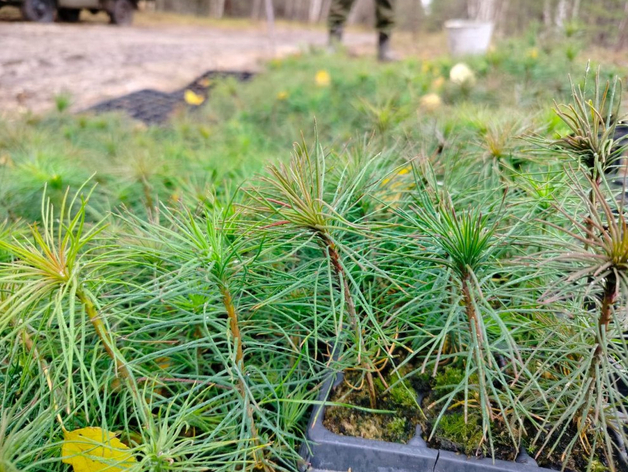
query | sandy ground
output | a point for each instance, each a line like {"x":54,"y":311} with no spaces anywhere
{"x":95,"y":61}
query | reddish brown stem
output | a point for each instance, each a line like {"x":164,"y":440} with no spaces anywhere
{"x":475,"y":326}
{"x":150,"y":204}
{"x":589,"y":220}
{"x":334,"y":257}
{"x":606,"y":311}
{"x":105,"y":337}
{"x":234,"y":327}
{"x":472,"y":314}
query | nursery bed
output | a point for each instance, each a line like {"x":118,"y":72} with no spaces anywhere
{"x":327,"y":451}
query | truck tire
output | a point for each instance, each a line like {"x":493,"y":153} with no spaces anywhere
{"x":41,"y":11}
{"x":68,"y":15}
{"x":122,"y":12}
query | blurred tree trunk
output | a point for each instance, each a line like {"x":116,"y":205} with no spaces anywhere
{"x":482,"y":10}
{"x":561,"y":14}
{"x":256,"y":10}
{"x":218,"y":8}
{"x":576,"y":10}
{"x":623,"y":26}
{"x":502,"y":16}
{"x":315,"y":10}
{"x":298,"y":13}
{"x":547,"y":13}
{"x":289,"y":10}
{"x":417,"y":16}
{"x":270,"y":18}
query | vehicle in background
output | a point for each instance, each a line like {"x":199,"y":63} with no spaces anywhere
{"x":44,"y":11}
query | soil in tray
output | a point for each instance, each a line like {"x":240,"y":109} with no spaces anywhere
{"x":456,"y":433}
{"x":400,"y":398}
{"x":579,"y":458}
{"x":403,"y":413}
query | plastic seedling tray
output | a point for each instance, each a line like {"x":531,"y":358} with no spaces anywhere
{"x":327,"y":451}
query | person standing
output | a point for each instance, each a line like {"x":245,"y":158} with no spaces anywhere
{"x":384,"y":22}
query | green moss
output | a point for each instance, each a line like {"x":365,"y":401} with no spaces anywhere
{"x":597,"y":466}
{"x":447,"y":380}
{"x":465,"y":436}
{"x":396,"y":429}
{"x":379,"y":385}
{"x":402,"y":394}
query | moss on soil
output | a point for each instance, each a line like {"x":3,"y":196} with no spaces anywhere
{"x":452,"y":433}
{"x":400,"y":397}
{"x":456,"y":433}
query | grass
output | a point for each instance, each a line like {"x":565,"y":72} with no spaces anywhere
{"x":186,"y":287}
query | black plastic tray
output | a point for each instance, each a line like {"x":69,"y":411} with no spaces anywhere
{"x":155,"y":107}
{"x":326,"y":451}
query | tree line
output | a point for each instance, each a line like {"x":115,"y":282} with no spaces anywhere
{"x":602,"y":21}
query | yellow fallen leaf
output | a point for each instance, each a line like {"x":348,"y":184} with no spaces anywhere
{"x":532,"y":53}
{"x":5,"y":160}
{"x":193,"y":98}
{"x":322,"y":78}
{"x":438,"y":82}
{"x":165,"y":362}
{"x":93,"y":450}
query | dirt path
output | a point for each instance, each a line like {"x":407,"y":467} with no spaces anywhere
{"x":93,"y":62}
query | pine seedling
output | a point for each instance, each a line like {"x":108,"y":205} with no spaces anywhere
{"x":466,"y":245}
{"x":592,"y":122}
{"x":297,"y":196}
{"x":49,"y":271}
{"x":211,"y":242}
{"x":598,"y":257}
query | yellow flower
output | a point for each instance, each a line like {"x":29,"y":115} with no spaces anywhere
{"x":431,"y":101}
{"x":283,"y":95}
{"x":425,"y":67}
{"x":322,"y":78}
{"x":461,"y":74}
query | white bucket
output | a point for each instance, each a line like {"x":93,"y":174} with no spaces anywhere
{"x":468,"y":37}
